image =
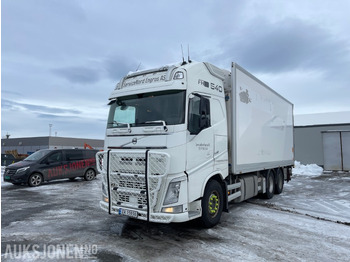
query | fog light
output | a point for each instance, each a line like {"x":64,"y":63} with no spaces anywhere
{"x":175,"y":209}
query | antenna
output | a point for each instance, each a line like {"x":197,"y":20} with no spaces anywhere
{"x":138,"y":67}
{"x":183,"y":58}
{"x":188,"y":52}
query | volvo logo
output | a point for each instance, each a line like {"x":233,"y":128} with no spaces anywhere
{"x":134,"y":141}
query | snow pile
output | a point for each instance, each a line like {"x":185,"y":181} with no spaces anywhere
{"x":306,"y":170}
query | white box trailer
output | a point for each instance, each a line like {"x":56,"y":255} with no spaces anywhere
{"x":184,"y":140}
{"x":260,"y":126}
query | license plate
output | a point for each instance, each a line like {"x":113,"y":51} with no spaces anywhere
{"x":129,"y":213}
{"x":7,"y":177}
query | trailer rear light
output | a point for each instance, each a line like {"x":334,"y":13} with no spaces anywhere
{"x":175,"y":209}
{"x":178,"y":75}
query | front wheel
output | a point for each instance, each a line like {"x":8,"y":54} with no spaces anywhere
{"x":89,"y":175}
{"x":212,"y":204}
{"x":35,"y":180}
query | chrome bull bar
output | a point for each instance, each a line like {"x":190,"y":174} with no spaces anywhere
{"x":133,"y":178}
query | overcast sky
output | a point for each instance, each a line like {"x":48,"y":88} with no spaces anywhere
{"x":60,"y":59}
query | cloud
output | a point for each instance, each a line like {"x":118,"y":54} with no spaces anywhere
{"x":118,"y":66}
{"x":12,"y":105}
{"x":114,"y":68}
{"x":78,"y":74}
{"x":61,"y":59}
{"x":7,"y":92}
{"x":287,"y":45}
{"x":48,"y":116}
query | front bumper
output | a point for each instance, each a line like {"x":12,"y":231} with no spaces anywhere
{"x":135,"y":183}
{"x":21,"y":178}
{"x":153,"y":217}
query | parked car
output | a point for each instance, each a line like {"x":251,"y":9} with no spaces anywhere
{"x":52,"y":164}
{"x":8,"y":159}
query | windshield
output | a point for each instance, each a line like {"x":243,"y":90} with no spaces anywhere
{"x":37,"y":155}
{"x":148,"y":109}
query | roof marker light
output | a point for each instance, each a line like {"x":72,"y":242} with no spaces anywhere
{"x":178,"y":75}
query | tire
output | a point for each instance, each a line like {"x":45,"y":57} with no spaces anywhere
{"x":270,"y":185}
{"x":35,"y":179}
{"x":212,"y":204}
{"x":279,"y":181}
{"x":90,"y":174}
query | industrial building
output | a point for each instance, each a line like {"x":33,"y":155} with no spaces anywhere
{"x":28,"y":145}
{"x":323,"y":139}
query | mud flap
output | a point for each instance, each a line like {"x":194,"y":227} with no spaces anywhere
{"x":225,"y":206}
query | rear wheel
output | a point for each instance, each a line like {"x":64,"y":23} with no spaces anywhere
{"x":279,"y":181}
{"x":212,"y":204}
{"x":270,"y":184}
{"x":89,"y":175}
{"x":35,"y":180}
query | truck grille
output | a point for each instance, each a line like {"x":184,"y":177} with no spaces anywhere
{"x":128,"y":180}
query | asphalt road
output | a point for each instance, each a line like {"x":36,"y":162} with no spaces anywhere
{"x":62,"y":220}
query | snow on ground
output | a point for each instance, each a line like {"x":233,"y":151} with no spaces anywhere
{"x":314,"y":193}
{"x":309,"y":221}
{"x":306,"y":170}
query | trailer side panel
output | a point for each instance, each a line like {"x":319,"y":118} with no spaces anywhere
{"x":262,"y":125}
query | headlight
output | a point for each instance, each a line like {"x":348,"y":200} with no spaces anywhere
{"x":172,"y":195}
{"x":21,"y":170}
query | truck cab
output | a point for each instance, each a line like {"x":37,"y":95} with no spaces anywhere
{"x":166,"y":133}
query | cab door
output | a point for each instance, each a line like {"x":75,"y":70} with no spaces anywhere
{"x":74,"y":162}
{"x":51,"y":166}
{"x":200,"y":145}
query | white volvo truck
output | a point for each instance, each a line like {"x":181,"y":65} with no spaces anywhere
{"x":183,"y":141}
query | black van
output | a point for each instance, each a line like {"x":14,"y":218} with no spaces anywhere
{"x":50,"y":164}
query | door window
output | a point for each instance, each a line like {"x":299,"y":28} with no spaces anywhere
{"x":198,"y":114}
{"x":55,"y":157}
{"x":73,"y":155}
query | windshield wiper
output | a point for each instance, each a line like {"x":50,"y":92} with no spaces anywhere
{"x":159,"y":121}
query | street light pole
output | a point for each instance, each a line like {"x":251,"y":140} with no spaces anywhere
{"x":50,"y":126}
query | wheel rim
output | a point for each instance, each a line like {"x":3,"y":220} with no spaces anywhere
{"x":214,"y":203}
{"x":35,"y":180}
{"x":90,"y":175}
